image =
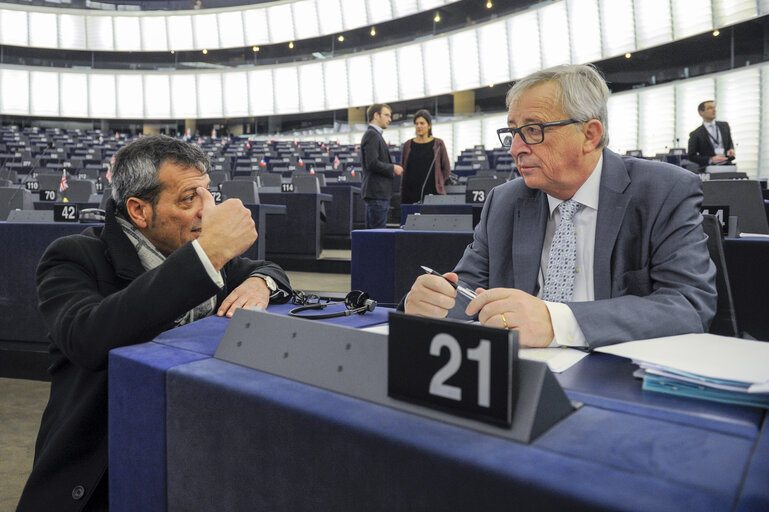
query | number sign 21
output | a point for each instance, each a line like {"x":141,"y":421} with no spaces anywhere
{"x":463,"y":369}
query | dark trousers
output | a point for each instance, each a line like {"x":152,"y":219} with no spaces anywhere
{"x":376,"y":213}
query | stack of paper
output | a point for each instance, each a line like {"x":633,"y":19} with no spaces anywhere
{"x":704,"y":366}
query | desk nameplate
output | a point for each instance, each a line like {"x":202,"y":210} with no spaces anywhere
{"x":354,"y":362}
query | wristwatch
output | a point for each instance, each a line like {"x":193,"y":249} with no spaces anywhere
{"x":270,"y":282}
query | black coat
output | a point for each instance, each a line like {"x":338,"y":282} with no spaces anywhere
{"x":95,"y":296}
{"x":701,"y":147}
{"x":377,"y":180}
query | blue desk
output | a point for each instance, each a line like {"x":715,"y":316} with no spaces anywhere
{"x":196,"y":433}
{"x":385,"y":263}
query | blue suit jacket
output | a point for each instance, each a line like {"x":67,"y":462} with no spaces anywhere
{"x":652,"y":271}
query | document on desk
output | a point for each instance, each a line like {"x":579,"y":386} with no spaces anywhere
{"x":702,"y":366}
{"x":558,"y":359}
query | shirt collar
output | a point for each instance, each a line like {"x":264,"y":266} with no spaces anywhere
{"x":587,"y":194}
{"x":377,"y":128}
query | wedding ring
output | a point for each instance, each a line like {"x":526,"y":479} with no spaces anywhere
{"x":504,"y":320}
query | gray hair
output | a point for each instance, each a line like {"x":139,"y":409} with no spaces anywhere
{"x":582,"y":93}
{"x":135,"y":172}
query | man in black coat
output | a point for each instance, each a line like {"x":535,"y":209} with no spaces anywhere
{"x":378,"y":169}
{"x":711,"y":143}
{"x":166,"y":256}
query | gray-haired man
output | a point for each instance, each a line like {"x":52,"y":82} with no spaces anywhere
{"x":166,"y":256}
{"x":588,"y":248}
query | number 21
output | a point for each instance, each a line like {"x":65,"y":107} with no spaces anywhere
{"x":481,"y":354}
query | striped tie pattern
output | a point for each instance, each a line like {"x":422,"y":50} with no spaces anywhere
{"x":561,"y":263}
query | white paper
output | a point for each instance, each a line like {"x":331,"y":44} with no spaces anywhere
{"x":708,"y":355}
{"x":558,"y":359}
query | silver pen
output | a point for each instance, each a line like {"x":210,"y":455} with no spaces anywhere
{"x":460,"y":289}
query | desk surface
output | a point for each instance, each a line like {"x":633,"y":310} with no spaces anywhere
{"x":284,"y":445}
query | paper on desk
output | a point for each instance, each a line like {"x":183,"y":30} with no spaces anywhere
{"x":703,"y":355}
{"x":558,"y":359}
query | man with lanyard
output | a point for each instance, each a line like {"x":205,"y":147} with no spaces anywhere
{"x":711,"y":143}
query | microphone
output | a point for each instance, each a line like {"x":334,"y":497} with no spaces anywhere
{"x":424,"y":183}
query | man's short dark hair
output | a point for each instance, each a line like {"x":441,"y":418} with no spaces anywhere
{"x":376,"y":108}
{"x":135,"y":172}
{"x":701,"y":106}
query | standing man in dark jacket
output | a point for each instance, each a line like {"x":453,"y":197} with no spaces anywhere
{"x":378,"y":169}
{"x":711,"y":143}
{"x":166,"y":256}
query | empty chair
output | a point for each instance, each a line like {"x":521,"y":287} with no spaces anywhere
{"x":246,"y":191}
{"x":306,"y":184}
{"x":14,"y":198}
{"x":217,"y":177}
{"x":270,"y":179}
{"x":49,"y":181}
{"x":725,"y":321}
{"x":79,"y":190}
{"x":744,"y":199}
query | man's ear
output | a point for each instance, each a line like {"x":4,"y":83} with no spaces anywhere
{"x":593,"y":131}
{"x":139,"y":212}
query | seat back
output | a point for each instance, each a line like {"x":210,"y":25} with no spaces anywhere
{"x":14,"y":198}
{"x":725,"y":321}
{"x":79,"y":190}
{"x":246,"y":191}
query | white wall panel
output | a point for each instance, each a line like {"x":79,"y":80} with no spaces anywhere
{"x":656,"y":119}
{"x":101,"y":96}
{"x":210,"y":95}
{"x":623,"y":122}
{"x":99,"y":33}
{"x":43,"y":30}
{"x":523,"y":31}
{"x":230,"y":25}
{"x":73,"y":94}
{"x":379,"y":10}
{"x":467,"y":134}
{"x":653,"y":23}
{"x":335,"y":81}
{"x":689,"y":94}
{"x":361,"y":84}
{"x":489,"y":126}
{"x":154,"y":33}
{"x":554,"y":38}
{"x":184,"y":96}
{"x":617,"y":25}
{"x":305,"y":19}
{"x":157,"y":96}
{"x":72,"y":32}
{"x":281,"y":21}
{"x":287,"y":90}
{"x":584,"y":30}
{"x":354,"y":13}
{"x":691,"y":17}
{"x":330,"y":16}
{"x":130,"y":96}
{"x":445,"y":131}
{"x":465,"y":69}
{"x":411,"y":74}
{"x":256,"y":28}
{"x":728,"y":12}
{"x":205,"y":31}
{"x":312,"y":89}
{"x":739,"y":103}
{"x":385,"y":70}
{"x":44,"y":93}
{"x":235,"y":94}
{"x":494,"y":56}
{"x":128,"y":37}
{"x":437,"y":66}
{"x":13,"y":28}
{"x":405,"y":7}
{"x":261,"y":97}
{"x":180,"y":33}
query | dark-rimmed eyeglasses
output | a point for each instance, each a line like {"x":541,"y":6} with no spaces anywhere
{"x":533,"y":133}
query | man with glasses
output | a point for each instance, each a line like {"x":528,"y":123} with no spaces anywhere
{"x":588,"y":248}
{"x":378,"y":169}
{"x":711,"y":143}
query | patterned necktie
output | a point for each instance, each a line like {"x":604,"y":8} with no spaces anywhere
{"x":561,"y":263}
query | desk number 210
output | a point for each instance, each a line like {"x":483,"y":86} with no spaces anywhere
{"x":481,"y":354}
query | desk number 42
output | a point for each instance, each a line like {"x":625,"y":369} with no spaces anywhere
{"x":481,"y":354}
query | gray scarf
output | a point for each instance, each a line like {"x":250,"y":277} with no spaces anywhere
{"x":150,"y":258}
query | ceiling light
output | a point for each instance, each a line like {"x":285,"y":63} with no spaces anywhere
{"x":437,"y":17}
{"x":254,"y":49}
{"x":628,"y":55}
{"x":373,"y":31}
{"x":205,"y":52}
{"x":489,"y":5}
{"x":291,"y":45}
{"x":340,"y":38}
{"x":716,"y":33}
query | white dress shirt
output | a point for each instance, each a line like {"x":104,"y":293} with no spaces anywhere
{"x":565,"y":326}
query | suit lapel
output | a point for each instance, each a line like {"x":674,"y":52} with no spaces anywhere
{"x":612,"y":204}
{"x":529,"y":221}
